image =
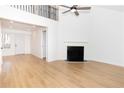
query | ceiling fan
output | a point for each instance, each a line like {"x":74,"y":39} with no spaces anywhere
{"x":75,"y":9}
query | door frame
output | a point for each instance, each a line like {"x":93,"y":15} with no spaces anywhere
{"x":46,"y":31}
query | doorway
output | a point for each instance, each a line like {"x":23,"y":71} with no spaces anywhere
{"x":44,"y":44}
{"x":19,"y":44}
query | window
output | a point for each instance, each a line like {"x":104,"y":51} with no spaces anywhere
{"x":6,"y":41}
{"x":48,"y":11}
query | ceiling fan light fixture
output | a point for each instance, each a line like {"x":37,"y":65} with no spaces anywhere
{"x":73,"y":10}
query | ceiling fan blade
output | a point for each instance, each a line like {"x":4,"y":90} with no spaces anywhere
{"x":66,"y":11}
{"x":83,"y":8}
{"x":74,"y":5}
{"x":65,"y":6}
{"x":76,"y":13}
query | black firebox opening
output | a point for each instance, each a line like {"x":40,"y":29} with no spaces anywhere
{"x":75,"y":53}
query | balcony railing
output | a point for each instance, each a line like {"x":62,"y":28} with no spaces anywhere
{"x":41,"y":10}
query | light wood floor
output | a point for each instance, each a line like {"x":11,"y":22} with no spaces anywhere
{"x":29,"y":71}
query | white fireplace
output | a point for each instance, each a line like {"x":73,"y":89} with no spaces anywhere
{"x":76,"y":45}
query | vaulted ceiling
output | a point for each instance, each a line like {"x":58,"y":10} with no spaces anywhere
{"x":115,"y":8}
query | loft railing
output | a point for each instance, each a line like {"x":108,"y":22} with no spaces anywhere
{"x":41,"y":10}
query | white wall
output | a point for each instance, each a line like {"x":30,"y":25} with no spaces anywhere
{"x":27,"y":44}
{"x":0,"y":49}
{"x":102,"y":28}
{"x":72,"y":28}
{"x":36,"y":46}
{"x":106,"y":36}
{"x":25,"y":17}
{"x":123,"y":35}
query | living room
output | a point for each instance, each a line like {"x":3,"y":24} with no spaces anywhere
{"x":99,"y":30}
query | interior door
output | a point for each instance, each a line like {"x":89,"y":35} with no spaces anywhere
{"x":19,"y":44}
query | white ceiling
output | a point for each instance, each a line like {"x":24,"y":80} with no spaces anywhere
{"x":115,"y":8}
{"x":19,"y":26}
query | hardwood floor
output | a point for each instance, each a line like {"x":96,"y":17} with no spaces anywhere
{"x":29,"y":71}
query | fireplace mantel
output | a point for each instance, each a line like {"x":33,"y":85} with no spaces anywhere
{"x":75,"y":43}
